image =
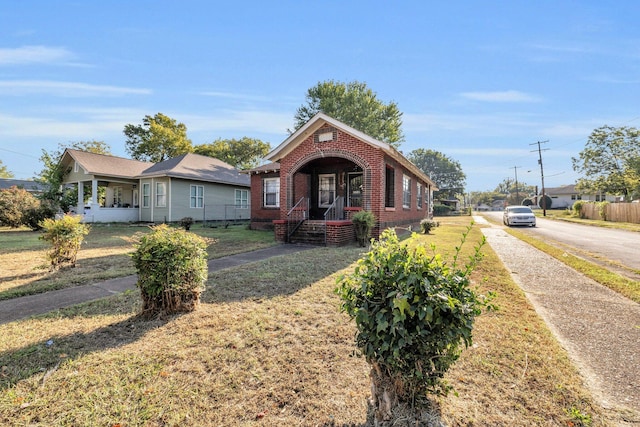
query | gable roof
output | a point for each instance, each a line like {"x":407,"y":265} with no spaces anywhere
{"x":565,"y":189}
{"x":107,"y":165}
{"x":317,"y":121}
{"x":199,"y":168}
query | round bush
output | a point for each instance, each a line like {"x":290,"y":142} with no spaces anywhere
{"x":172,"y":270}
{"x":413,"y":313}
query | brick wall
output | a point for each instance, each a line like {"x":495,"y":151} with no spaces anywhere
{"x":373,"y":162}
{"x":261,"y":217}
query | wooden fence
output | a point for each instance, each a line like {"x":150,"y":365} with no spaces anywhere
{"x":614,"y":212}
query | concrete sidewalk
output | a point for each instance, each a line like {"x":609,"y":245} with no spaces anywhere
{"x":599,"y":328}
{"x":18,"y":308}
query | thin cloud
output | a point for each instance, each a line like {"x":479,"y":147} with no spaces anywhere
{"x":34,"y":55}
{"x":501,"y":96}
{"x":65,"y":89}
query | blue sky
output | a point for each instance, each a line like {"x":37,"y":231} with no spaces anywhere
{"x":477,"y":81}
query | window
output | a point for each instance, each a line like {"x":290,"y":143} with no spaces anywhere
{"x":242,"y":199}
{"x":326,"y":190}
{"x":271,"y":192}
{"x":161,"y":195}
{"x":146,"y":190}
{"x":117,"y":197}
{"x":389,"y":188}
{"x":419,"y":196}
{"x":196,"y":198}
{"x":406,"y":191}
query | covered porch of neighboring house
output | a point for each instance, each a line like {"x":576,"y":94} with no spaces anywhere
{"x":323,"y":193}
{"x":107,"y":200}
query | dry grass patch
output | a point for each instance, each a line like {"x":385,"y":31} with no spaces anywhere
{"x":269,"y":347}
{"x":104,"y":255}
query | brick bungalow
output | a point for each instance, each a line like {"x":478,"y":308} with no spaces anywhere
{"x":323,"y":173}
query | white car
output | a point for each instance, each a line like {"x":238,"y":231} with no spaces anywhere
{"x":518,"y":215}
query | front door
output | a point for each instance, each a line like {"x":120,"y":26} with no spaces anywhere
{"x":354,"y":190}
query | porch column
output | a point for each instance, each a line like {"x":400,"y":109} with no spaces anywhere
{"x":80,"y":207}
{"x":94,"y":193}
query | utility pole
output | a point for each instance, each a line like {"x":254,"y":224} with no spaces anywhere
{"x":515,"y":169}
{"x":544,"y":196}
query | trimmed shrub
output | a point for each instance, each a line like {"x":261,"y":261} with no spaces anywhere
{"x":602,"y":209}
{"x":577,"y":208}
{"x":34,"y":217}
{"x":172,"y":270}
{"x":427,"y":224}
{"x":66,"y":236}
{"x":14,"y":203}
{"x":413,"y":312}
{"x":363,"y":221}
{"x":442,"y":210}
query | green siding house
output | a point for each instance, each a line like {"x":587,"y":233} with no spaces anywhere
{"x":115,"y":189}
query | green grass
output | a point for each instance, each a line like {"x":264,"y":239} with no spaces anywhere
{"x":104,"y":255}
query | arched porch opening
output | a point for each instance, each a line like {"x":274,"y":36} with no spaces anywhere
{"x":326,"y":176}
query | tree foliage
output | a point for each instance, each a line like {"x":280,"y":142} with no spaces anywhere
{"x":356,"y":105}
{"x":413,"y":312}
{"x":52,"y":174}
{"x":4,"y":171}
{"x":609,"y":161}
{"x":443,"y":170}
{"x":158,"y":138}
{"x":243,"y":153}
{"x":15,"y":204}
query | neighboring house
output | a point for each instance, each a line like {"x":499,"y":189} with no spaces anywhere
{"x":565,"y":196}
{"x":32,"y":187}
{"x":326,"y":171}
{"x":125,"y":190}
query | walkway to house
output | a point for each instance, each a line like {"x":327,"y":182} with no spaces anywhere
{"x":599,"y":328}
{"x":18,"y":308}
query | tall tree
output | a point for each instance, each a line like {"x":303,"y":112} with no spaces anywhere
{"x":158,"y":138}
{"x":53,"y":173}
{"x":4,"y":172}
{"x":243,"y":153}
{"x":607,"y":161}
{"x":444,"y":171}
{"x":356,"y":105}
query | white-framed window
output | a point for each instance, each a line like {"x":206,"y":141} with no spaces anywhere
{"x":117,"y":197}
{"x":326,"y":190}
{"x":196,"y":196}
{"x":146,"y":194}
{"x":161,"y":194}
{"x":271,"y":192}
{"x":406,"y":191}
{"x":242,"y":199}
{"x":419,"y":196}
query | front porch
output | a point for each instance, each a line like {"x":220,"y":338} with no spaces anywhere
{"x":96,"y":213}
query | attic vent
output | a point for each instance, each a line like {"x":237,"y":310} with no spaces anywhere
{"x":324,"y":135}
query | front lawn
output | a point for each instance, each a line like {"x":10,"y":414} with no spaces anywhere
{"x":104,"y":255}
{"x":268,"y":346}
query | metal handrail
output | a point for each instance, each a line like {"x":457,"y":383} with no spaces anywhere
{"x":336,"y":210}
{"x":296,"y":216}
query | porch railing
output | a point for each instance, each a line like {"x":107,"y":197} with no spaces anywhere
{"x":336,"y":210}
{"x":296,"y":216}
{"x":333,"y":212}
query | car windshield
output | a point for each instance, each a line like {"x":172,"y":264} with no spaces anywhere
{"x":520,"y":210}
